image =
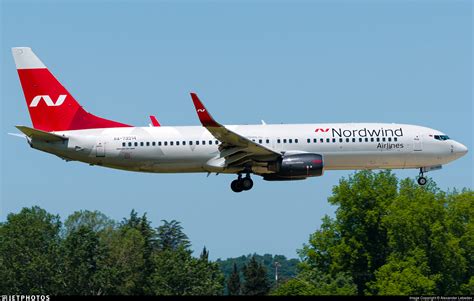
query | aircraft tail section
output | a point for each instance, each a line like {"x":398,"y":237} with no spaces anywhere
{"x":51,"y":106}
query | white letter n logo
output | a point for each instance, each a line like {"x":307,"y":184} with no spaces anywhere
{"x":49,"y":102}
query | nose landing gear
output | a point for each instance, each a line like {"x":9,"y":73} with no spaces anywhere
{"x":421,"y":179}
{"x":241,"y":184}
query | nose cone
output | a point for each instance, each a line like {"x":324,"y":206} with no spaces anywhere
{"x":459,"y":149}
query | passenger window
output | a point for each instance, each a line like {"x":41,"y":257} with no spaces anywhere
{"x":290,"y":140}
{"x":166,"y":143}
{"x":321,"y":140}
{"x":210,"y":142}
{"x":315,"y":140}
{"x":371,"y":139}
{"x":395,"y":139}
{"x":171,"y":143}
{"x":268,"y":140}
{"x":328,"y":140}
{"x":278,"y":140}
{"x":360,"y":139}
{"x":333,"y":140}
{"x":296,"y":140}
{"x":216,"y":142}
{"x":141,"y":143}
{"x":184,"y":142}
{"x":389,"y":139}
{"x":260,"y":141}
{"x":190,"y":142}
{"x":147,"y":143}
{"x":284,"y":140}
{"x":378,"y":139}
{"x":353,"y":139}
{"x":197,"y":142}
{"x":366,"y":139}
{"x":308,"y":140}
{"x":130,"y":144}
{"x":159,"y":143}
{"x":383,"y":139}
{"x":123,"y":144}
{"x":177,"y":143}
{"x":347,"y":139}
{"x":203,"y":142}
{"x":341,"y":140}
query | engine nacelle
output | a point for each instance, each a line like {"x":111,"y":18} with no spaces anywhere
{"x":296,"y":167}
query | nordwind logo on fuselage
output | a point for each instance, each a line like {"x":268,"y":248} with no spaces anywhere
{"x":47,"y":99}
{"x":367,"y":132}
{"x":381,"y":132}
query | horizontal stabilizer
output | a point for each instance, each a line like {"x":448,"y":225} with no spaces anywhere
{"x":17,"y":135}
{"x":40,"y":135}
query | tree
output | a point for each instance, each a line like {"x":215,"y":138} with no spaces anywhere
{"x":178,"y":273}
{"x":409,"y":276}
{"x":256,"y":282}
{"x":418,"y":221}
{"x":287,"y":267}
{"x":204,"y":254}
{"x":391,"y":239}
{"x":81,"y":253}
{"x":147,"y":244}
{"x":317,"y":284}
{"x":460,"y":214}
{"x":29,"y":252}
{"x":95,"y":220}
{"x":171,"y":236}
{"x":233,"y":282}
{"x":363,"y":247}
{"x":295,"y":287}
{"x":126,"y":263}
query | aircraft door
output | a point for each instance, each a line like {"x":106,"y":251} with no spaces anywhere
{"x":100,"y":149}
{"x":417,"y":146}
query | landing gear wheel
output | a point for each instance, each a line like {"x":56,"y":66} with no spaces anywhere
{"x":422,"y":180}
{"x":247,"y":183}
{"x":236,"y":186}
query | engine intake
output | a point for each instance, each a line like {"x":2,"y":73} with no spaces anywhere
{"x":296,"y":167}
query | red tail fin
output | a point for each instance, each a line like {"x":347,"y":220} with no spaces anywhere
{"x":51,"y":106}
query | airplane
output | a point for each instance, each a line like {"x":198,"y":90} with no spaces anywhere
{"x":276,"y":152}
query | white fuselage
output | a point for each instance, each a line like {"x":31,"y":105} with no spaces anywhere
{"x":177,"y":149}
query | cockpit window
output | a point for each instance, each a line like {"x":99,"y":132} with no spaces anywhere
{"x":441,"y":137}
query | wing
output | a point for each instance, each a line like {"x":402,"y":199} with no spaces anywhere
{"x":235,"y":149}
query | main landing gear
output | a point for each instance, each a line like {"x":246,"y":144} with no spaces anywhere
{"x":241,"y":184}
{"x":421,"y":179}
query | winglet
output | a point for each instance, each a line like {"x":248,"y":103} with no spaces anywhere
{"x":154,"y":121}
{"x":204,"y":116}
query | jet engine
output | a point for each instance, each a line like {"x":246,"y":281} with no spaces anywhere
{"x":295,"y":167}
